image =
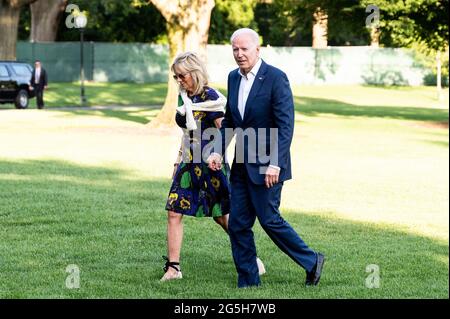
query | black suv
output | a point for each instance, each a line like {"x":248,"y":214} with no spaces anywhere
{"x":14,"y":83}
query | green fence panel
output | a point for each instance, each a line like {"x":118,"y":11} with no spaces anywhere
{"x":147,"y":63}
{"x":130,"y":62}
{"x":62,"y":60}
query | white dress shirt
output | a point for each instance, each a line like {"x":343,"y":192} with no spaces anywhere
{"x":37,"y":75}
{"x":246,"y":86}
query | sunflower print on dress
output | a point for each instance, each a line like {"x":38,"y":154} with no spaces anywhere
{"x":215,"y":183}
{"x":172,"y":198}
{"x":198,"y":171}
{"x":185,"y":204}
{"x":198,"y":115}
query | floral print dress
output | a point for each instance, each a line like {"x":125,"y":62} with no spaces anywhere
{"x":196,"y":190}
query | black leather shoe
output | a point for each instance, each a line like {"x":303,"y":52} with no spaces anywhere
{"x":313,"y":277}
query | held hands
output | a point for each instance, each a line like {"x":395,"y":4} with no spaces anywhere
{"x":214,"y":162}
{"x":272,"y":175}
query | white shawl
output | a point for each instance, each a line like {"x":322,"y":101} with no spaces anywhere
{"x":208,"y":106}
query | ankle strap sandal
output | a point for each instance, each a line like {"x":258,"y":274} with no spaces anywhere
{"x":170,"y":264}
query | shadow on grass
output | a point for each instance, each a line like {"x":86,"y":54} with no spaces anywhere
{"x":309,"y":107}
{"x":315,"y":106}
{"x":112,"y":224}
{"x":136,"y":115}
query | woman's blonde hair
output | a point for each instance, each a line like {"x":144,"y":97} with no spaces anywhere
{"x":189,"y":62}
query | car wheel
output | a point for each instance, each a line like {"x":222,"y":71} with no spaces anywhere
{"x":22,"y":99}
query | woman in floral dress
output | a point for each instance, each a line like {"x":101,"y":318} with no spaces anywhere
{"x":196,"y":190}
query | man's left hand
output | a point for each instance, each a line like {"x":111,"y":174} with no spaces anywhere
{"x":272,"y":175}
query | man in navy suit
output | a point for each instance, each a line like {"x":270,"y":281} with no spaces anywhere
{"x":259,"y":100}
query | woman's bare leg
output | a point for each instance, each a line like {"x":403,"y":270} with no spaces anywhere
{"x":174,"y":239}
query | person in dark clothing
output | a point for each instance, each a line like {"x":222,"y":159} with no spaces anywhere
{"x":39,"y":83}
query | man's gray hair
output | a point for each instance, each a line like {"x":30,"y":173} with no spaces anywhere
{"x":253,"y":34}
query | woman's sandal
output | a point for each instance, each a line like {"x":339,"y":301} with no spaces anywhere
{"x":174,"y":265}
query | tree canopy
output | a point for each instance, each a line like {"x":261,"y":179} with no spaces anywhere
{"x":279,"y":22}
{"x":110,"y":21}
{"x":408,"y":22}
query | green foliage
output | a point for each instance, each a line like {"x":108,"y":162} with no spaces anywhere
{"x":229,"y":15}
{"x":405,"y":23}
{"x":418,"y":24}
{"x":431,"y":20}
{"x":281,"y":25}
{"x":289,"y":22}
{"x":24,"y":24}
{"x":117,"y":21}
{"x":427,"y":58}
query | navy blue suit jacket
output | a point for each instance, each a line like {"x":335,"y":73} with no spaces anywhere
{"x":269,"y":105}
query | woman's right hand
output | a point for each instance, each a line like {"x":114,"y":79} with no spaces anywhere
{"x":218,"y":122}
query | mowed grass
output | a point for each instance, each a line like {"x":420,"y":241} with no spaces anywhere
{"x":100,"y":94}
{"x":88,"y":188}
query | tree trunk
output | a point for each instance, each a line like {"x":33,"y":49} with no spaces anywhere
{"x":9,"y":21}
{"x":187,"y":25}
{"x":375,"y":37}
{"x":45,"y":18}
{"x":320,"y":29}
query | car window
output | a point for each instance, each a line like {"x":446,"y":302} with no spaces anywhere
{"x":3,"y":71}
{"x":21,"y":70}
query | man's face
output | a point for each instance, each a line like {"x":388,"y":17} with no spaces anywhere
{"x":37,"y":65}
{"x":245,"y":52}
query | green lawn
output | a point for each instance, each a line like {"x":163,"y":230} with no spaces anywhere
{"x":88,"y":187}
{"x":68,"y":94}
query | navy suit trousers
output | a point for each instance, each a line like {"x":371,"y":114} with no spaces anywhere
{"x":249,"y":201}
